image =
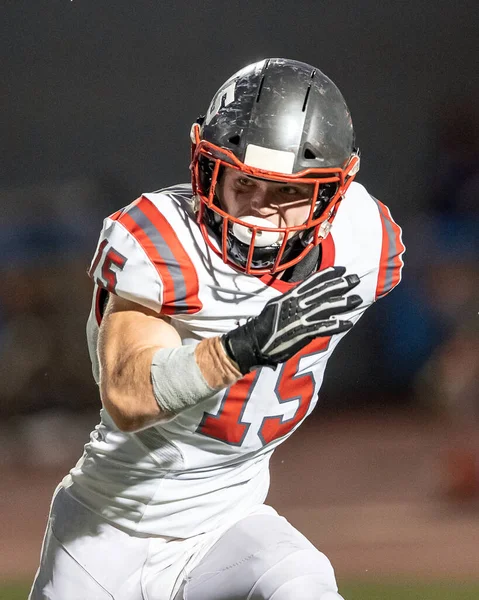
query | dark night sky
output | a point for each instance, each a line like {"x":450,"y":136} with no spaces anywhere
{"x":109,"y":89}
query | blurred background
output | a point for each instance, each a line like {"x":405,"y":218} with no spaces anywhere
{"x":97,"y":102}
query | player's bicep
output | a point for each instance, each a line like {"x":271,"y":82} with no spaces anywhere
{"x":128,"y":328}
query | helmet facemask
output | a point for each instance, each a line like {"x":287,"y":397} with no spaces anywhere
{"x":255,"y":247}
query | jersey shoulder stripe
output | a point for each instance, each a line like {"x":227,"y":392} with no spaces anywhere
{"x":156,"y":236}
{"x":392,"y":249}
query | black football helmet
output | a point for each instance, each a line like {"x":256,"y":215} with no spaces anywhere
{"x":283,"y":121}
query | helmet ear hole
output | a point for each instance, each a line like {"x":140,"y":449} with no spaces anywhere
{"x":309,"y":154}
{"x":205,"y":170}
{"x":234,"y":139}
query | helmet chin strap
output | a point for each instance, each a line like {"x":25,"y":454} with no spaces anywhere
{"x":305,"y":267}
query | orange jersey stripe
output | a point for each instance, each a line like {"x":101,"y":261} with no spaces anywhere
{"x":115,"y":216}
{"x":392,"y":248}
{"x":149,"y":247}
{"x":162,"y":246}
{"x":185,"y":264}
{"x":328,"y":252}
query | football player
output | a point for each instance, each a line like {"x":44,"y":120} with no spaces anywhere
{"x":215,"y":310}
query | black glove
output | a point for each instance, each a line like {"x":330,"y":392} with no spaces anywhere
{"x":288,"y":323}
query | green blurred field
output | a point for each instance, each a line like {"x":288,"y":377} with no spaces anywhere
{"x":351,"y":591}
{"x":14,"y":591}
{"x":409,"y":591}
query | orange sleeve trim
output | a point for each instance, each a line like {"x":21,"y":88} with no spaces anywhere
{"x":161,"y":244}
{"x":392,"y":248}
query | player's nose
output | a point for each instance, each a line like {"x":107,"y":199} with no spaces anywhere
{"x":261,"y":201}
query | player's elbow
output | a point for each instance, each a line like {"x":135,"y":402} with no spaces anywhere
{"x":127,"y":413}
{"x":125,"y":423}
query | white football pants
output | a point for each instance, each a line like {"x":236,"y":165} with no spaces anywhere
{"x":261,"y":557}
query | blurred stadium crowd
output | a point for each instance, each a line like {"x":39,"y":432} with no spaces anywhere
{"x":422,"y":345}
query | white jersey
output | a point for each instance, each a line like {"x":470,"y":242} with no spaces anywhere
{"x":209,"y":465}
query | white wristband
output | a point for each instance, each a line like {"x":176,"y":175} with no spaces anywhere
{"x":177,"y":380}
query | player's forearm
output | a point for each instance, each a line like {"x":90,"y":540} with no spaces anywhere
{"x":147,"y":375}
{"x":216,"y":367}
{"x":128,"y":390}
{"x":127,"y":394}
{"x":129,"y":336}
{"x":184,"y":376}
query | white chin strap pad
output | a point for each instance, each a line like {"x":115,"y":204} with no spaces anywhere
{"x":263,"y":237}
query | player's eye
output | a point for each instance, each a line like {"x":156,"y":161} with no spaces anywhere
{"x":244,"y":181}
{"x":296,"y":190}
{"x":290,"y":190}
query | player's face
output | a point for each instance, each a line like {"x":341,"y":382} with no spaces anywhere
{"x":284,"y":204}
